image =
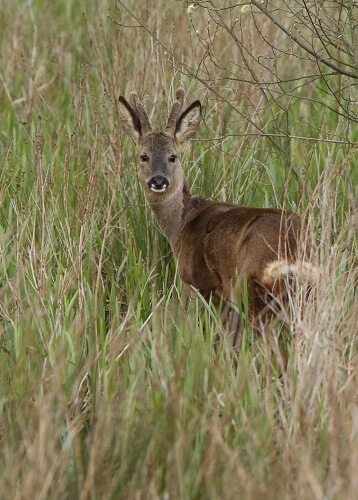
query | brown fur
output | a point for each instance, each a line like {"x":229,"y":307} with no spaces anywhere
{"x":217,"y":245}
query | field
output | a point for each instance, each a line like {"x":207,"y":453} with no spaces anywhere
{"x":110,"y":384}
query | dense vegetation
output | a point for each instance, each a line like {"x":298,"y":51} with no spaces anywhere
{"x":110,"y":385}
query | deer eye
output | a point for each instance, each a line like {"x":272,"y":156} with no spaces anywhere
{"x":144,"y":158}
{"x":172,"y":158}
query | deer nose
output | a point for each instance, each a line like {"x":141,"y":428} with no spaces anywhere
{"x":158,"y":183}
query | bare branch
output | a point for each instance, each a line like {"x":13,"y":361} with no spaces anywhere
{"x":302,"y":45}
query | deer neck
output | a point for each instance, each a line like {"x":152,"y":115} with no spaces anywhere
{"x":169,"y":212}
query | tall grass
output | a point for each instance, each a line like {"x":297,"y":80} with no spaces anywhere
{"x":110,"y":383}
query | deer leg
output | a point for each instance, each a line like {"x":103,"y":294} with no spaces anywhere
{"x":231,"y":324}
{"x":268,"y":309}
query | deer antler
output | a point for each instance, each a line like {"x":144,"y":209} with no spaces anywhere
{"x":175,"y":112}
{"x":141,"y":112}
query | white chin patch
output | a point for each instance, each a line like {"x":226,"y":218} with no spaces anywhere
{"x":155,"y":190}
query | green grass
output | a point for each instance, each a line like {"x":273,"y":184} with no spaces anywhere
{"x":110,"y":384}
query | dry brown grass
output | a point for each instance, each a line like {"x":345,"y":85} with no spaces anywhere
{"x":110,"y":383}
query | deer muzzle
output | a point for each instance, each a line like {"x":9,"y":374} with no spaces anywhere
{"x":158,"y":184}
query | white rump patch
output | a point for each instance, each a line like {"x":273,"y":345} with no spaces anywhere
{"x":282,"y":269}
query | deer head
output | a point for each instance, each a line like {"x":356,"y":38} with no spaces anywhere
{"x":159,"y":168}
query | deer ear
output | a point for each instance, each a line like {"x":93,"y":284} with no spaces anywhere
{"x":129,"y":119}
{"x":188,"y":122}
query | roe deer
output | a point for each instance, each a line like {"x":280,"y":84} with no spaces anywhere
{"x":217,"y":245}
